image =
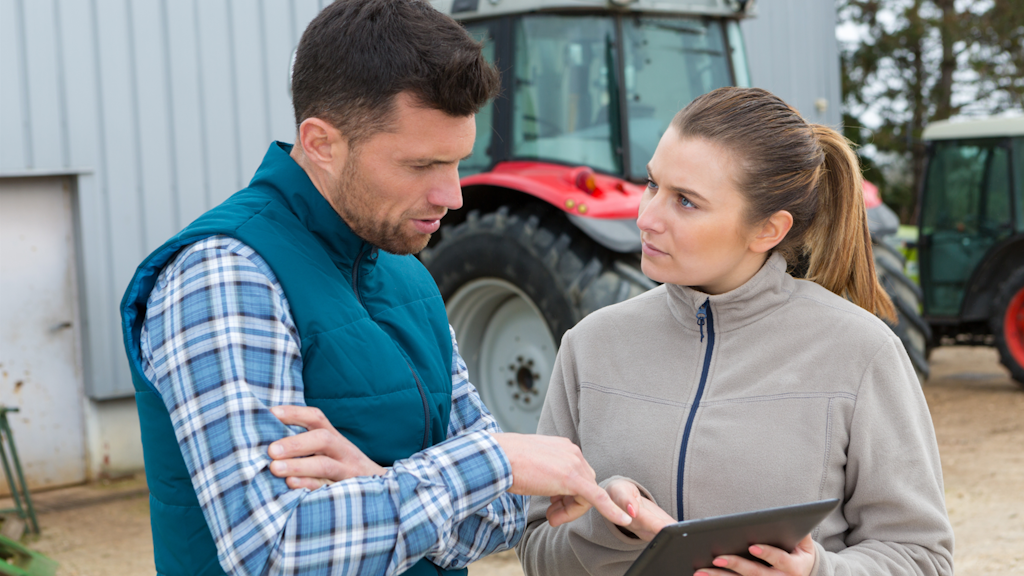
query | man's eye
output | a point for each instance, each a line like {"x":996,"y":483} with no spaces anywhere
{"x":685,"y":203}
{"x":651,"y":185}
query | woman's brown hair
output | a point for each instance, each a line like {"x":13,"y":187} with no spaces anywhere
{"x":806,"y":169}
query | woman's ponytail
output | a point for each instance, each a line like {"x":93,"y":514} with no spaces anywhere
{"x":839,"y":242}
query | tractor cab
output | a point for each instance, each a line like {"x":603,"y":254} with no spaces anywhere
{"x":971,"y":246}
{"x":547,"y":233}
{"x":593,"y":84}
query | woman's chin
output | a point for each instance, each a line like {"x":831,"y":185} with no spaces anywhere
{"x":652,"y":270}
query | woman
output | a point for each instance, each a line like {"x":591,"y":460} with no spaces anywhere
{"x":733,"y":386}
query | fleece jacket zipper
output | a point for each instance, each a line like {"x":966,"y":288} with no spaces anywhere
{"x":419,"y":385}
{"x":704,"y":318}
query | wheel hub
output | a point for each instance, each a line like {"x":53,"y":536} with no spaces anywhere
{"x":508,"y":349}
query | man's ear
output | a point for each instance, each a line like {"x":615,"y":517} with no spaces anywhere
{"x":323,"y":145}
{"x":772,"y":232}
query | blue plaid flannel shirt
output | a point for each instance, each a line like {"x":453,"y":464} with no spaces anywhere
{"x":221,"y":347}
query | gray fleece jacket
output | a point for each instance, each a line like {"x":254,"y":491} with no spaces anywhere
{"x":776,"y":393}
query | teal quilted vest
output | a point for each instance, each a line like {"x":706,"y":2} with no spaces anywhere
{"x":376,"y":349}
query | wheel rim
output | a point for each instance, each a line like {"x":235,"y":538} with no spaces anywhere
{"x":1013,"y":327}
{"x":508,"y":349}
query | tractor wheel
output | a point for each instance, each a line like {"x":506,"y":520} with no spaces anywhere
{"x":1007,"y":324}
{"x":513,"y":283}
{"x":912,"y":330}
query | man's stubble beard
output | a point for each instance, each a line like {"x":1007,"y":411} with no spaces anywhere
{"x":354,"y":202}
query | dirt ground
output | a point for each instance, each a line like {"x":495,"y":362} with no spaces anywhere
{"x":103,"y":529}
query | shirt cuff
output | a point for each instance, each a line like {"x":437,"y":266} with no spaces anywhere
{"x":475,"y":470}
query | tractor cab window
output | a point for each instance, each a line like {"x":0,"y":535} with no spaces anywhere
{"x":564,"y":108}
{"x":669,"y":61}
{"x":967,"y":210}
{"x":480,"y":160}
{"x":1018,"y":181}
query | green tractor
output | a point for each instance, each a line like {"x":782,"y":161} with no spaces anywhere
{"x":971,"y":243}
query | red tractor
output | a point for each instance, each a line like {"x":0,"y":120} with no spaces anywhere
{"x":548,"y":230}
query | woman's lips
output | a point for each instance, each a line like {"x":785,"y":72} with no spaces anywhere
{"x":650,"y":250}
{"x":427,"y":226}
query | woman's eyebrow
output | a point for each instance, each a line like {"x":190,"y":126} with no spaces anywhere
{"x":691,"y":194}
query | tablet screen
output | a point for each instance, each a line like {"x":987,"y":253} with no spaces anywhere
{"x":684,"y":547}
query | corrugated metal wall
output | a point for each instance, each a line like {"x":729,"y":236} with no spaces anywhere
{"x":162,"y":107}
{"x":793,"y":52}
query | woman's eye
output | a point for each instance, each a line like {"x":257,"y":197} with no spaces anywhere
{"x":651,"y":185}
{"x":685,"y":203}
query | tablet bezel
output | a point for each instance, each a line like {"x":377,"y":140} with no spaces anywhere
{"x":685,"y":547}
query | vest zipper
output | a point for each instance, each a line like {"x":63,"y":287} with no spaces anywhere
{"x":355,"y":275}
{"x":419,"y":385}
{"x":704,"y":317}
{"x":426,"y":408}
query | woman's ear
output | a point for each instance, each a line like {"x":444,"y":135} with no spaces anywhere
{"x":323,"y":145}
{"x":772,"y":232}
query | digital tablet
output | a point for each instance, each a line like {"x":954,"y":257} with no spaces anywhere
{"x":685,"y":547}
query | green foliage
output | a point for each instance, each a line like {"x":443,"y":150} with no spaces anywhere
{"x":920,"y":61}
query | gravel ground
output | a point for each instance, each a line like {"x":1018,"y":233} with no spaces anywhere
{"x":103,"y":529}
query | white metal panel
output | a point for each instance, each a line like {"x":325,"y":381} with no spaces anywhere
{"x":219,"y":100}
{"x":45,"y":109}
{"x":280,"y":40}
{"x":153,"y":124}
{"x":187,"y":110}
{"x":793,"y":52}
{"x":126,"y":211}
{"x":252,"y":113}
{"x":39,"y":366}
{"x":15,"y":134}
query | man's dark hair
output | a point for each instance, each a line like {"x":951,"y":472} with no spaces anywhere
{"x":356,"y":55}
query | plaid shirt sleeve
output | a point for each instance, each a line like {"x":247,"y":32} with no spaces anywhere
{"x":221,"y":347}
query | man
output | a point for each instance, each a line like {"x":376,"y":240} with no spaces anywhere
{"x":296,"y":305}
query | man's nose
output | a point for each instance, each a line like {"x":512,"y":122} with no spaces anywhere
{"x":448,"y":192}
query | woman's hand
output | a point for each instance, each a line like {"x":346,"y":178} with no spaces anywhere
{"x":798,"y":563}
{"x":648,"y":518}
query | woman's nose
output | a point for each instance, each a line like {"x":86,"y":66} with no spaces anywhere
{"x":648,"y":218}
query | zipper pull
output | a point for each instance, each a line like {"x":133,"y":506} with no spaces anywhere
{"x":701,"y":315}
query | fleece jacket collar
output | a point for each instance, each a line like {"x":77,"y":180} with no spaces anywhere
{"x":763,"y":294}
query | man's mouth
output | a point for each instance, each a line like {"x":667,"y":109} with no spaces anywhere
{"x":427,"y":225}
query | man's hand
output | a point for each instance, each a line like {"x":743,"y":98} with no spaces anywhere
{"x":554,"y":466}
{"x":648,"y":518}
{"x":319,"y":456}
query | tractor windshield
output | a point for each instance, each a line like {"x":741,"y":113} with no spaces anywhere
{"x":600,"y":90}
{"x":668,"y":63}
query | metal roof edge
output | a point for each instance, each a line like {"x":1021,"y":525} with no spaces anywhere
{"x":975,"y":128}
{"x":476,"y":9}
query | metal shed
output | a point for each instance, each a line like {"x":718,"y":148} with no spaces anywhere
{"x":123,"y":120}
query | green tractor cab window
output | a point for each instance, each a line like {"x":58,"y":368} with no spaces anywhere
{"x":966,"y":213}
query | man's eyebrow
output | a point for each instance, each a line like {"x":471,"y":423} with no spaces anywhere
{"x":429,"y":161}
{"x":690,"y":194}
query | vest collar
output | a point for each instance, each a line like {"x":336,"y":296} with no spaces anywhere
{"x":280,"y":174}
{"x":763,"y":294}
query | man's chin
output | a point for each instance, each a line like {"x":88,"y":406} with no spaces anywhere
{"x":414,"y":244}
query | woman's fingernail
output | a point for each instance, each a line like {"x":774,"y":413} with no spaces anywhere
{"x":631,"y":511}
{"x":276,"y":450}
{"x":700,"y":574}
{"x":278,"y":467}
{"x":720,"y":562}
{"x":756,"y":550}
